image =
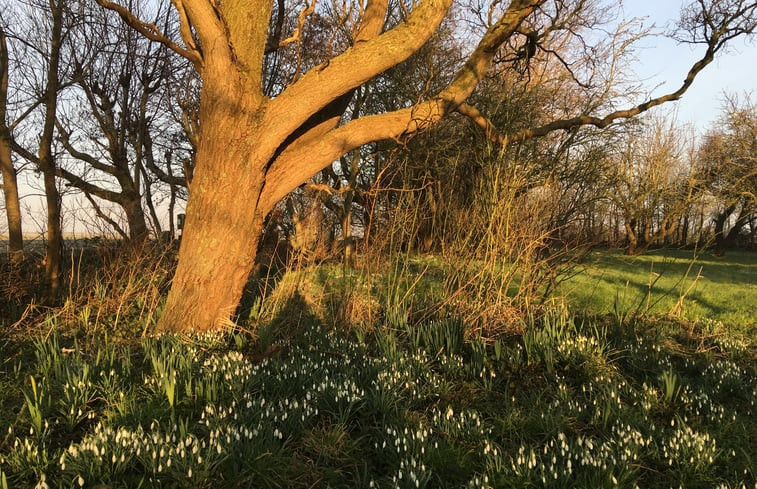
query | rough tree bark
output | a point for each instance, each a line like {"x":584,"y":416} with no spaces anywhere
{"x":253,"y":150}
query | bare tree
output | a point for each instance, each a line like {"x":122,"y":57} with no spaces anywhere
{"x":42,"y":33}
{"x":652,"y":186}
{"x":120,"y":78}
{"x":727,"y":167}
{"x":10,"y":185}
{"x":252,"y":149}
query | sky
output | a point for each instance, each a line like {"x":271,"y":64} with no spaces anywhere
{"x":662,"y":60}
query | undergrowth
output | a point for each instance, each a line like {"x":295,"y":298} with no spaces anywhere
{"x":565,"y":404}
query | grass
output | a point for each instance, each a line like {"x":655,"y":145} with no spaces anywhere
{"x":720,"y":288}
{"x":344,"y":384}
{"x":564,"y":405}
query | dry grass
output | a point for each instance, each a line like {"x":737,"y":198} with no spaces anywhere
{"x":113,"y":289}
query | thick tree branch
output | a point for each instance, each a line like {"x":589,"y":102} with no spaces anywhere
{"x":293,"y":166}
{"x":87,"y":187}
{"x":246,"y":23}
{"x":372,"y":21}
{"x":151,"y":32}
{"x":208,"y":23}
{"x":490,"y":130}
{"x":24,"y":153}
{"x":480,"y":60}
{"x":328,"y":117}
{"x":325,"y":83}
{"x":312,"y":152}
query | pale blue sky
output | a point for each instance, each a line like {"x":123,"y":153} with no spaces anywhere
{"x":663,"y":60}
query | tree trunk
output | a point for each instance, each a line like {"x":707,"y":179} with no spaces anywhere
{"x":349,"y":245}
{"x":720,"y":235}
{"x":12,"y":206}
{"x":222,"y":227}
{"x":157,"y":228}
{"x":47,"y":160}
{"x":10,"y":184}
{"x":135,"y":217}
{"x":685,"y":231}
{"x":171,"y":203}
{"x":633,"y":247}
{"x":54,"y":232}
{"x":723,"y":240}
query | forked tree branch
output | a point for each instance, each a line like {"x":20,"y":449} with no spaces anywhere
{"x":151,"y":32}
{"x":312,"y":152}
{"x":341,"y":74}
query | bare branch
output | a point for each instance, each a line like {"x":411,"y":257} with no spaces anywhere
{"x":273,"y":41}
{"x":64,"y":138}
{"x":152,"y":33}
{"x":602,"y":122}
{"x":105,"y":217}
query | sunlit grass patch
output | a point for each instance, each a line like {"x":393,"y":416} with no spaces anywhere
{"x":719,"y":288}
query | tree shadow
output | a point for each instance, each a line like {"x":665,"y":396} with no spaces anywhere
{"x":287,"y":325}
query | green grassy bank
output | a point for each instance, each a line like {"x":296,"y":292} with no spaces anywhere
{"x":676,"y":283}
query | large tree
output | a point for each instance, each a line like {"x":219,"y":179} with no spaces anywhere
{"x":253,"y":149}
{"x":41,"y":28}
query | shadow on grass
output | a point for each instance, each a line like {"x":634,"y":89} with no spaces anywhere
{"x":653,"y":283}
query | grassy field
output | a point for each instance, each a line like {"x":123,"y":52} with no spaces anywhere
{"x":669,"y":282}
{"x":625,"y":396}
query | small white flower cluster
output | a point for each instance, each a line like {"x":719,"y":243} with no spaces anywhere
{"x":688,"y":448}
{"x":725,"y":376}
{"x":247,"y":409}
{"x":108,"y":452}
{"x":450,"y":364}
{"x":407,"y":447}
{"x":561,"y":456}
{"x":479,"y":482}
{"x":578,"y":348}
{"x":647,"y":352}
{"x":598,"y":399}
{"x":409,"y":375}
{"x":466,"y":424}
